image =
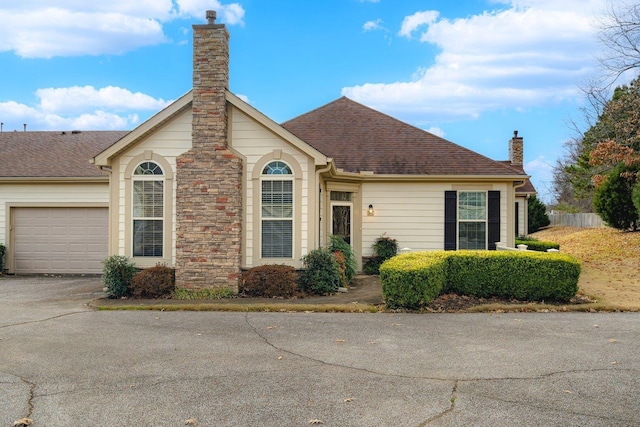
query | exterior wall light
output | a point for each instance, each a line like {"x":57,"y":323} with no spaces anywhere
{"x":370,"y":210}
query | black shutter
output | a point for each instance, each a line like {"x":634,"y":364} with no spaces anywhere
{"x":450,"y":220}
{"x":493,"y":232}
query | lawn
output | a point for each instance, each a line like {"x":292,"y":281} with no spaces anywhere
{"x":610,"y":262}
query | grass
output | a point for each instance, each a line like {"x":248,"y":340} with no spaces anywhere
{"x":258,"y":307}
{"x":610,"y":264}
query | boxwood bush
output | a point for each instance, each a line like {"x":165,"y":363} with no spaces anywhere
{"x":529,"y":276}
{"x":117,"y":274}
{"x":536,"y":245}
{"x":414,"y":279}
{"x":321,"y":274}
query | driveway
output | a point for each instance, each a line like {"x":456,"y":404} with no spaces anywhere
{"x":63,"y":364}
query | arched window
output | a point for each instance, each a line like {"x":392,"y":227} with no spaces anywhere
{"x":148,"y":210}
{"x":277,"y":210}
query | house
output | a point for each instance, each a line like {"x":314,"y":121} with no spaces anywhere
{"x":211,"y":186}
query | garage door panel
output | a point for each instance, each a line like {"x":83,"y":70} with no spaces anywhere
{"x":60,"y":240}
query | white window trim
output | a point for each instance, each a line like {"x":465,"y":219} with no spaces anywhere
{"x":278,"y":177}
{"x":485,"y":221}
{"x":161,"y":178}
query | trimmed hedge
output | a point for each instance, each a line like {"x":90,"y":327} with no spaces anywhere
{"x":154,"y":282}
{"x":537,"y":245}
{"x":415,"y":279}
{"x":269,"y":281}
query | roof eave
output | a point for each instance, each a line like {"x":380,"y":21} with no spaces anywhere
{"x":53,"y":179}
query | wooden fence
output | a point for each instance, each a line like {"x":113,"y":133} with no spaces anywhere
{"x":582,"y":220}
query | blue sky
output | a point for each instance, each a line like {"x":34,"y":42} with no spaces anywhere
{"x":472,"y":71}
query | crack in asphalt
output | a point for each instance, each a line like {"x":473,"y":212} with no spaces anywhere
{"x":28,"y":322}
{"x":446,"y":412}
{"x":548,"y":409}
{"x":32,"y":391}
{"x":456,"y":381}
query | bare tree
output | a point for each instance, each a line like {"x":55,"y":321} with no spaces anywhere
{"x":620,"y":35}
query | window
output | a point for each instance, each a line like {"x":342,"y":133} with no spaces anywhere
{"x":277,"y":210}
{"x":472,"y":220}
{"x":148,"y":210}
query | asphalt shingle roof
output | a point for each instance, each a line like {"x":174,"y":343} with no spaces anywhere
{"x":53,"y":154}
{"x":360,"y":138}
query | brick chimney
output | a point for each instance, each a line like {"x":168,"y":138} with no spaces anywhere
{"x":209,"y":176}
{"x":516,"y":149}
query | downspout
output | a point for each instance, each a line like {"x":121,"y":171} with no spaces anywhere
{"x":319,"y":196}
{"x":516,"y":185}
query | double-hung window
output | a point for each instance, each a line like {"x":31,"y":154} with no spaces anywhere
{"x":148,"y":210}
{"x":472,"y":220}
{"x":277,"y":210}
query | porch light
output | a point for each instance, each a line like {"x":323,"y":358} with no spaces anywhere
{"x":370,"y":210}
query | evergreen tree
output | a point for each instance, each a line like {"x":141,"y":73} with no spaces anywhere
{"x":613,"y":199}
{"x":537,"y":215}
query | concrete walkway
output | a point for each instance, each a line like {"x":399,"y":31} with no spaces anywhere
{"x":64,"y":364}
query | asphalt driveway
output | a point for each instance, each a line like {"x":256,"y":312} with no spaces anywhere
{"x":64,"y":364}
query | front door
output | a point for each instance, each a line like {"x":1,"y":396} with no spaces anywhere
{"x":342,"y":220}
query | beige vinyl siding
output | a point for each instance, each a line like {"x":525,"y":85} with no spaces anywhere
{"x":255,"y":143}
{"x":43,"y":194}
{"x":413,"y":213}
{"x":169,"y":141}
{"x":522,"y":216}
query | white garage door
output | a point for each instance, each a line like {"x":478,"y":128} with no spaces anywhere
{"x":59,"y":240}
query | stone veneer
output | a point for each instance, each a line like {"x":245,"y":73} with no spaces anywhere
{"x":209,"y":176}
{"x":516,"y":149}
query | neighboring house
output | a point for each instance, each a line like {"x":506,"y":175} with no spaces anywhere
{"x":212,"y":186}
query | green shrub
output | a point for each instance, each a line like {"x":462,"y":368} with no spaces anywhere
{"x":536,"y":245}
{"x":531,"y":276}
{"x":413,"y":279}
{"x":384,"y":248}
{"x":536,"y":215}
{"x":3,"y":249}
{"x":154,"y":282}
{"x":116,"y":275}
{"x":269,"y":281}
{"x":351,"y":266}
{"x":203,"y":294}
{"x":320,"y":275}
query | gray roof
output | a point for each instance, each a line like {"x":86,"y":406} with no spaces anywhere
{"x":53,"y":154}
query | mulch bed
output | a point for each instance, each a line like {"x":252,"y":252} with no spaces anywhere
{"x":452,"y":303}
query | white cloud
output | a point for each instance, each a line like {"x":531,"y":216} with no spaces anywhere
{"x":80,"y":108}
{"x":418,"y":19}
{"x":35,"y":29}
{"x":373,"y":25}
{"x":245,"y":98}
{"x":76,"y":98}
{"x":532,"y":54}
{"x":541,"y":172}
{"x":436,"y":131}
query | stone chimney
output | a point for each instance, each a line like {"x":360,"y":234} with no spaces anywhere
{"x":209,"y":176}
{"x":516,"y":149}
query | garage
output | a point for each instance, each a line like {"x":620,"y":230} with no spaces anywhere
{"x":59,"y":240}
